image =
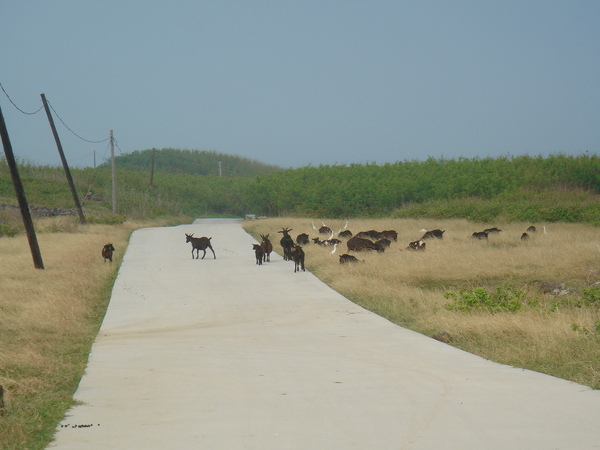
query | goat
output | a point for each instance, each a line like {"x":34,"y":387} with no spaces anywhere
{"x":383,"y":242}
{"x":371,"y":234}
{"x":417,"y":245}
{"x":492,"y":230}
{"x":359,"y":244}
{"x":298,"y":256}
{"x":267,"y":247}
{"x":532,"y":229}
{"x":302,"y":239}
{"x":201,"y":243}
{"x":324,"y":230}
{"x":258,"y":252}
{"x":346,"y":258}
{"x":437,"y":233}
{"x":389,"y":234}
{"x":345,"y":234}
{"x":286,"y":243}
{"x":107,"y":252}
{"x":480,"y":235}
{"x":524,"y":236}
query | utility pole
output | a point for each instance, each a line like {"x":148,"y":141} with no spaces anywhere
{"x":114,"y":177}
{"x":152,"y":168}
{"x":64,"y":162}
{"x":220,"y":172}
{"x":23,"y":206}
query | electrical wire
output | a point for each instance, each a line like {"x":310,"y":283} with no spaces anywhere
{"x":75,"y":134}
{"x":15,"y":105}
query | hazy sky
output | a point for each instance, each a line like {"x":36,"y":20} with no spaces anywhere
{"x":294,"y":83}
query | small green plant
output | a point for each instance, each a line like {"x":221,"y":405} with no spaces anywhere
{"x":591,"y":296}
{"x":504,"y":298}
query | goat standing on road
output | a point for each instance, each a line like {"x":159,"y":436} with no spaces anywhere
{"x":298,"y":257}
{"x":258,"y":252}
{"x":201,"y":243}
{"x":267,"y":247}
{"x":287,"y":243}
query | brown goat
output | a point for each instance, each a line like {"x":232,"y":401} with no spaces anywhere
{"x":267,"y":247}
{"x":107,"y":252}
{"x":358,"y":244}
{"x":201,"y":243}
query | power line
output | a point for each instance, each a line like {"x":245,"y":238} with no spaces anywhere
{"x":75,"y":134}
{"x":15,"y":105}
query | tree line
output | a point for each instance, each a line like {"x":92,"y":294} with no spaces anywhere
{"x":553,"y":188}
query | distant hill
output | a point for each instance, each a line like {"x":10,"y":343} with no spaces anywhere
{"x":192,"y":162}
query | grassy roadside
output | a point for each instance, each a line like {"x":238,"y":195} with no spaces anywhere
{"x":49,"y":319}
{"x":485,"y":294}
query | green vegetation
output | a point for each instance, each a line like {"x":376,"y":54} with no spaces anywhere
{"x":503,"y":299}
{"x":191,"y":162}
{"x":554,"y":189}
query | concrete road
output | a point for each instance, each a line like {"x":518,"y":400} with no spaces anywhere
{"x":224,"y":354}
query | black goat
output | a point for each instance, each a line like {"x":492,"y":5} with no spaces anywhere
{"x":302,"y":239}
{"x":437,"y":233}
{"x":480,"y":235}
{"x":346,"y":258}
{"x":201,"y":243}
{"x":324,"y":230}
{"x":345,"y":234}
{"x":258,"y":252}
{"x":287,"y":243}
{"x":298,"y":256}
{"x":417,"y":245}
{"x":492,"y":230}
{"x":107,"y":252}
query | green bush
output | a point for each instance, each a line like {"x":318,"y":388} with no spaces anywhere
{"x":503,"y":299}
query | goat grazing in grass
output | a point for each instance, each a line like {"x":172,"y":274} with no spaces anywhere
{"x":287,"y":243}
{"x":258,"y":252}
{"x":267,"y":247}
{"x":298,"y":256}
{"x":201,"y":243}
{"x":346,"y":258}
{"x":107,"y":252}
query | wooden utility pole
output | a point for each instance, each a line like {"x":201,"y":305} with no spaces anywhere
{"x":114,"y":176}
{"x":24,"y":207}
{"x":64,"y":162}
{"x":152,"y":168}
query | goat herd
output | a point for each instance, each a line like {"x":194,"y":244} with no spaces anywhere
{"x":363,"y":241}
{"x":292,"y":250}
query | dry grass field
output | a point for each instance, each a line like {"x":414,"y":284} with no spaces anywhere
{"x":48,"y":321}
{"x":554,"y":333}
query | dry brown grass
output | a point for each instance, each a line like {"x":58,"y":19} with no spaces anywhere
{"x":48,"y":320}
{"x":409,"y":287}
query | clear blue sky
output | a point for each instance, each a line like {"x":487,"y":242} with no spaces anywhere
{"x":294,"y":83}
